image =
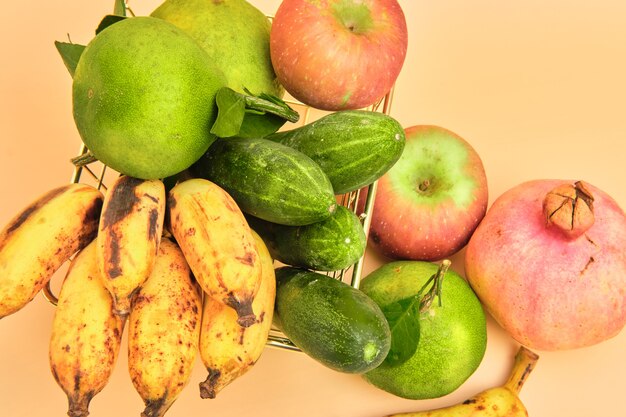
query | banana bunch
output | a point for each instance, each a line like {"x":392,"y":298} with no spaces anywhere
{"x":500,"y":401}
{"x":205,"y":284}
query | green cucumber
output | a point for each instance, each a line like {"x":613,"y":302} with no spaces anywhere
{"x":269,"y":180}
{"x":332,"y":244}
{"x":353,"y":147}
{"x":332,"y":322}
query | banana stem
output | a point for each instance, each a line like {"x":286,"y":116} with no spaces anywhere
{"x":524,"y":363}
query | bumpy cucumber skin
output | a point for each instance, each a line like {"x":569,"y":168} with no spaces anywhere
{"x":330,"y":321}
{"x":353,"y":147}
{"x":269,"y":180}
{"x":329,"y":245}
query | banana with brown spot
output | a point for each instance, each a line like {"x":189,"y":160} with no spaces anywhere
{"x":163,"y":331}
{"x":129,"y":234}
{"x":228,"y":350}
{"x":43,"y":236}
{"x":86,"y":334}
{"x":217,"y":242}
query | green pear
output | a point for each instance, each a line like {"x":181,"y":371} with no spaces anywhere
{"x":144,"y":98}
{"x":234,"y":33}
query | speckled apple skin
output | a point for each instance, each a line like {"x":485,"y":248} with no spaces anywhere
{"x":324,"y":64}
{"x":547,"y":291}
{"x":407,"y":224}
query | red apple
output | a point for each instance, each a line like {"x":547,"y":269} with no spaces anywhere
{"x":338,"y":54}
{"x":430,"y":202}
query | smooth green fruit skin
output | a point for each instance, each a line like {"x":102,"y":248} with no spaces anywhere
{"x":453,"y":337}
{"x":330,"y":321}
{"x":234,"y":33}
{"x":144,"y":98}
{"x":332,"y":244}
{"x":353,"y":147}
{"x":268,"y":180}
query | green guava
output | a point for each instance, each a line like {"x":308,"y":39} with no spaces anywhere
{"x":234,"y":33}
{"x":452,"y":329}
{"x":144,"y":98}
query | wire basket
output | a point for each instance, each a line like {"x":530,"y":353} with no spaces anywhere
{"x":98,"y":175}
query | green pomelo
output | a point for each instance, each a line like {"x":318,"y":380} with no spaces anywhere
{"x":144,"y":98}
{"x":453,"y":335}
{"x":236,"y":36}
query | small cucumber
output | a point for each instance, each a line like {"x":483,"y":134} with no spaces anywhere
{"x":329,"y":245}
{"x":332,"y":322}
{"x":269,"y":180}
{"x":353,"y":147}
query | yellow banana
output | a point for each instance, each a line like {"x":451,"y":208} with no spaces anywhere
{"x":227,"y":349}
{"x":217,"y":242}
{"x":86,"y":334}
{"x":130,"y":230}
{"x":43,"y":236}
{"x":501,"y":401}
{"x":163,"y":331}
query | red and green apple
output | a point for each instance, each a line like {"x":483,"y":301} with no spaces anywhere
{"x":430,"y":202}
{"x":338,"y":54}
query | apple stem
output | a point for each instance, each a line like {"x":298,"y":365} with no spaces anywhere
{"x":424,"y":185}
{"x":435,"y":290}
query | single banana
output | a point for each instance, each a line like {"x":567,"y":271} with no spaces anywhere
{"x":130,"y":230}
{"x":86,"y":334}
{"x":217,"y":242}
{"x":43,"y":236}
{"x":163,"y":331}
{"x":501,"y":401}
{"x":227,"y":349}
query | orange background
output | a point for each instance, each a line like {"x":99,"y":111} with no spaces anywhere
{"x":537,"y":87}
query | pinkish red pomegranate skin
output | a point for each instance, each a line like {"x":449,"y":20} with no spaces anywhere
{"x":552,"y":284}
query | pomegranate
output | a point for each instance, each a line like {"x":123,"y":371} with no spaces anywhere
{"x":548,"y":261}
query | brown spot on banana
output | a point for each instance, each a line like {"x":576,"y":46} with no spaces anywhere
{"x":153,"y":224}
{"x":113,"y":267}
{"x":249,"y":258}
{"x":36,"y":205}
{"x":121,"y":201}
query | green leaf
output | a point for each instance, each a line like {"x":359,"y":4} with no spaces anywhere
{"x":231,"y":109}
{"x":119,"y":8}
{"x":70,"y":53}
{"x":248,"y":115}
{"x":107,"y":21}
{"x":259,"y":125}
{"x":403,"y":317}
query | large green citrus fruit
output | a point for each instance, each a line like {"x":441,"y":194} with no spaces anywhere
{"x":234,"y":33}
{"x":144,"y":98}
{"x":453,"y":334}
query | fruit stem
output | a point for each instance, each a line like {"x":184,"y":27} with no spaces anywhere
{"x":569,"y":209}
{"x":435,"y":290}
{"x":84,"y":159}
{"x":523,"y":365}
